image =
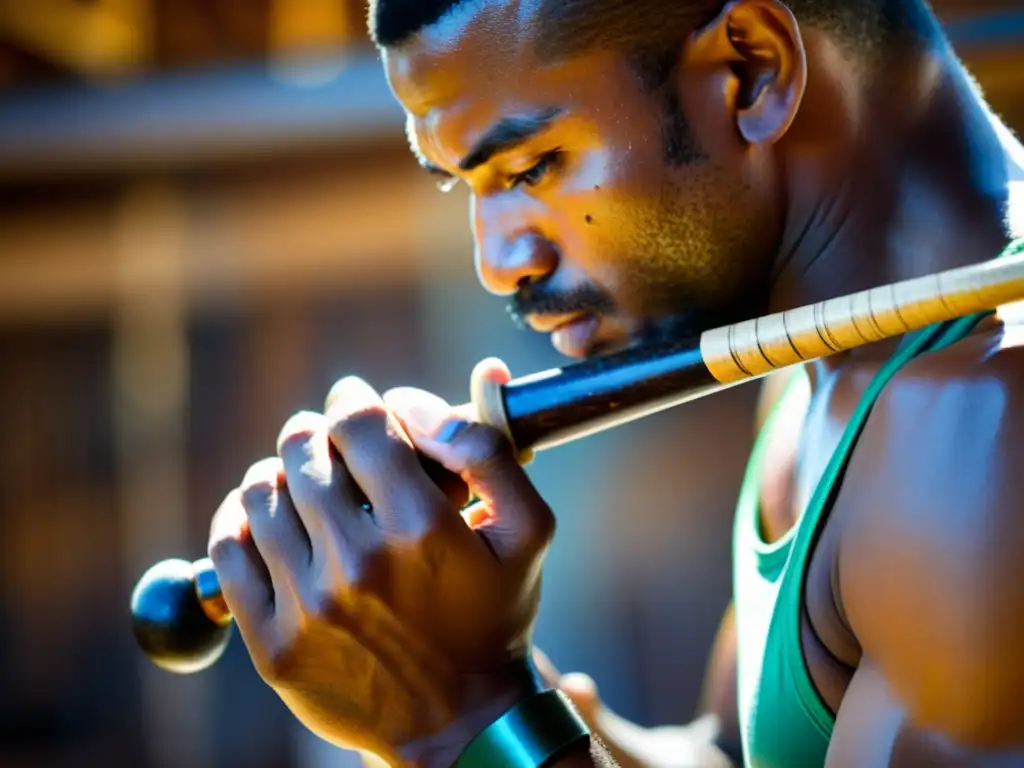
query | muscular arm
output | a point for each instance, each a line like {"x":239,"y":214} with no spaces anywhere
{"x":931,"y":577}
{"x":718,"y":699}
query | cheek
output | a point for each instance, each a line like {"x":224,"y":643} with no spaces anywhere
{"x":581,"y":207}
{"x":595,"y":213}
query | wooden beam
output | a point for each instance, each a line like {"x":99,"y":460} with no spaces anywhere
{"x":182,"y":120}
{"x":149,"y":401}
{"x":302,"y":27}
{"x":245,"y":239}
{"x":309,"y":40}
{"x":205,"y":33}
{"x":217,"y":115}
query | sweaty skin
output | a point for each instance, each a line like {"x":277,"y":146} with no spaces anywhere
{"x":804,"y":174}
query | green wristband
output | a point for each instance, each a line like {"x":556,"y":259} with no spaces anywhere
{"x":530,"y":734}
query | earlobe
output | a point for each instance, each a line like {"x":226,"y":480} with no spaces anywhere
{"x":770,"y":65}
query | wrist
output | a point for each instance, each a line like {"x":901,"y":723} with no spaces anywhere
{"x":484,"y":700}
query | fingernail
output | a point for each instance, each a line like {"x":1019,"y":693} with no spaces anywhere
{"x":423,"y":418}
{"x":425,"y":414}
{"x":449,"y":431}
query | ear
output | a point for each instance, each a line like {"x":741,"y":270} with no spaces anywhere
{"x":760,"y":41}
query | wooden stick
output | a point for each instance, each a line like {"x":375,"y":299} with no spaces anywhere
{"x":563,"y":404}
{"x":179,"y":616}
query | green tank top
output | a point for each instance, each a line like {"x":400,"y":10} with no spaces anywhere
{"x":784,"y":723}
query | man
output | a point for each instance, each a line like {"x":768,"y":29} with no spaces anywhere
{"x":654,"y":167}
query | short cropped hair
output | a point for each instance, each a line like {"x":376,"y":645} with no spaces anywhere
{"x":569,"y":27}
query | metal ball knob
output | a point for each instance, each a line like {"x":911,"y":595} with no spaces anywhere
{"x":179,"y":618}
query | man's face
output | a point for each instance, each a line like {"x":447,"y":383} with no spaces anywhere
{"x":608,"y":212}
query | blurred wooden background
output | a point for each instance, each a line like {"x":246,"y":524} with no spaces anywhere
{"x":207,"y":214}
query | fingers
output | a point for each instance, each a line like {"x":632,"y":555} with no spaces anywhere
{"x":244,"y":580}
{"x":326,"y":499}
{"x":381,"y":458}
{"x":274,"y":523}
{"x":582,"y":691}
{"x":450,"y":484}
{"x":520,"y":524}
{"x":578,"y":687}
{"x":546,"y":669}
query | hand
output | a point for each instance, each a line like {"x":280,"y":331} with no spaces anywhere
{"x":403,"y":630}
{"x":618,"y":735}
{"x":631,"y":745}
{"x":578,"y":687}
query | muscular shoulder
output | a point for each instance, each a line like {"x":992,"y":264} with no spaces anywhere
{"x":931,"y":577}
{"x":950,"y":419}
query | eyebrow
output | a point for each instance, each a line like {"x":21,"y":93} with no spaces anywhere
{"x":506,"y":134}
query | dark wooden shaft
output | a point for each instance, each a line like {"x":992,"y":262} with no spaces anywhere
{"x":547,"y":409}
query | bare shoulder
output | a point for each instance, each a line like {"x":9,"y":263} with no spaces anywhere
{"x":930,"y":574}
{"x":964,"y":400}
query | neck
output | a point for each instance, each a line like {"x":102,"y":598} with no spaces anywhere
{"x":913,"y":191}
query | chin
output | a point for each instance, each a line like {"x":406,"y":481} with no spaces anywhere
{"x":613,"y":338}
{"x":607,"y":335}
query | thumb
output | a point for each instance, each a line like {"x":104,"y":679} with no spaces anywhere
{"x":546,"y":669}
{"x":518,"y":523}
{"x":582,"y":692}
{"x":578,"y":687}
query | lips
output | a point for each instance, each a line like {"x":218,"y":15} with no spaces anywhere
{"x":551,"y":323}
{"x":571,"y":335}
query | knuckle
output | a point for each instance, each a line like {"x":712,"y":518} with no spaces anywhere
{"x":227,"y":528}
{"x":276,"y":663}
{"x":256,"y":497}
{"x":324,"y":606}
{"x":543,"y":527}
{"x":420,"y":521}
{"x":348,"y":423}
{"x":220,"y":548}
{"x":343,"y":583}
{"x":414,"y":535}
{"x":433,"y":549}
{"x":422,"y":508}
{"x":299,"y":429}
{"x":488,"y":446}
{"x":261,"y":479}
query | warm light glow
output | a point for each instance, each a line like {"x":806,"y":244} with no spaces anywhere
{"x":98,"y":39}
{"x":307,"y":41}
{"x":307,"y":71}
{"x":308,"y":25}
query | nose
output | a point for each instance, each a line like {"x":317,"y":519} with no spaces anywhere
{"x":504,"y":264}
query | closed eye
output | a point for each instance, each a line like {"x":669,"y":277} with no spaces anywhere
{"x":536,"y":173}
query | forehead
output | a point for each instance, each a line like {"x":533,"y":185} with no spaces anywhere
{"x":475,"y":34}
{"x":476,"y":65}
{"x":438,"y":63}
